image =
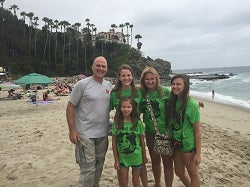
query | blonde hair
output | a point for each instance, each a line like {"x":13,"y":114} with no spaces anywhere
{"x":156,"y":74}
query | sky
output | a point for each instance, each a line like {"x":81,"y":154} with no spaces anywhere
{"x":190,"y":34}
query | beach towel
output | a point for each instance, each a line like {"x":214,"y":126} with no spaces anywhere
{"x":42,"y":102}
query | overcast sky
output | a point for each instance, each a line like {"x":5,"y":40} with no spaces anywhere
{"x":188,"y":33}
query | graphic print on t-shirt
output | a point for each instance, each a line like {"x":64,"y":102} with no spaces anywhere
{"x":155,"y":107}
{"x":126,"y":142}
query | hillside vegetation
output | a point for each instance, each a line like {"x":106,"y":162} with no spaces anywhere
{"x":24,"y":48}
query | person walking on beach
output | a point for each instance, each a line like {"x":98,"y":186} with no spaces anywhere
{"x":158,"y":96}
{"x":128,"y":142}
{"x":212,"y":94}
{"x":88,"y":122}
{"x":125,"y":87}
{"x":183,"y":115}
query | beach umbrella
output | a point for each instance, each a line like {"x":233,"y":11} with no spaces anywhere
{"x":34,"y":78}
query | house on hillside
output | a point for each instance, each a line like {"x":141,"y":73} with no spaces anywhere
{"x":111,"y":36}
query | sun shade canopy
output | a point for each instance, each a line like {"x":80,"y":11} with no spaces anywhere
{"x":34,"y":78}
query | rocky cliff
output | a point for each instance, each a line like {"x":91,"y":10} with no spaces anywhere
{"x":162,"y":66}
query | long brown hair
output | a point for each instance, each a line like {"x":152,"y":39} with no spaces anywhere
{"x":171,"y":104}
{"x":119,"y":118}
{"x":118,"y":85}
{"x":158,"y":83}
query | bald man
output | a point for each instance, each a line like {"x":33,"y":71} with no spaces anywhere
{"x":88,"y":120}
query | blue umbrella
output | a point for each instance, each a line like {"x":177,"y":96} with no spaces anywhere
{"x":34,"y":78}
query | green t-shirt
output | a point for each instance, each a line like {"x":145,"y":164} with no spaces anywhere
{"x":128,"y":143}
{"x":159,"y":107}
{"x":185,"y":133}
{"x":114,"y":99}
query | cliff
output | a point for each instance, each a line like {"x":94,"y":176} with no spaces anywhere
{"x":163,"y":67}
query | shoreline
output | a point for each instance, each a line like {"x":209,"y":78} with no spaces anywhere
{"x":238,"y":118}
{"x":218,"y":102}
{"x":36,"y":151}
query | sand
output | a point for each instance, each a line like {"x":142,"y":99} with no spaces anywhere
{"x":35,"y":150}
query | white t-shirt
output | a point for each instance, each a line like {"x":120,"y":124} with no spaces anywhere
{"x":91,"y":100}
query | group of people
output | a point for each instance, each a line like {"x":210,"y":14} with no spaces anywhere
{"x":174,"y":111}
{"x":61,"y":88}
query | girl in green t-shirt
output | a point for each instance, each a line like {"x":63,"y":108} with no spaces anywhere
{"x":128,"y":142}
{"x":184,"y":117}
{"x":125,"y":87}
{"x":158,"y":96}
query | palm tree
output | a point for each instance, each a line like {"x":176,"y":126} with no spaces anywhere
{"x":51,"y":26}
{"x":127,"y":35}
{"x":61,"y":25}
{"x":88,"y":24}
{"x":23,"y":14}
{"x":35,"y":25}
{"x":30,"y":15}
{"x":131,"y":28}
{"x":85,"y":33}
{"x":14,"y":8}
{"x":92,"y":27}
{"x":56,"y":26}
{"x":35,"y":19}
{"x":46,"y":26}
{"x":139,"y":44}
{"x":2,"y":1}
{"x":77,"y":26}
{"x":70,"y":32}
{"x":94,"y":32}
{"x":113,"y":26}
{"x":121,"y":26}
{"x":65,"y":24}
{"x":138,"y":37}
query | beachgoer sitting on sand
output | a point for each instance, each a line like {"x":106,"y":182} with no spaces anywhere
{"x":60,"y":90}
{"x":13,"y":95}
{"x":47,"y":98}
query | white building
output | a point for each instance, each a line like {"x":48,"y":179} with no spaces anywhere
{"x":111,"y":36}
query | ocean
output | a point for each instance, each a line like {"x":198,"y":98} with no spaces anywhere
{"x":233,"y":91}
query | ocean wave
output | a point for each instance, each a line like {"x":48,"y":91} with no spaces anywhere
{"x":221,"y":99}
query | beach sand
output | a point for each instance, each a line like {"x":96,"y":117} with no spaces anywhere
{"x":35,"y":150}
